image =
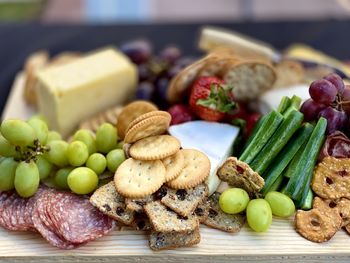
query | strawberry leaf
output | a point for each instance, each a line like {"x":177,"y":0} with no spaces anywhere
{"x":219,"y":98}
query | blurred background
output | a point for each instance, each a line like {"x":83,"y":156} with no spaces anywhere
{"x":57,"y":26}
{"x":111,"y":11}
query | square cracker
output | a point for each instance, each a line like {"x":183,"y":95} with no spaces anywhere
{"x":220,"y":220}
{"x":183,"y":201}
{"x":202,"y":211}
{"x":142,"y":222}
{"x":160,"y":241}
{"x":164,"y":220}
{"x":110,"y":202}
{"x":137,"y":205}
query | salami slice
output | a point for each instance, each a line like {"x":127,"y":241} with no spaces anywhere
{"x":336,"y":145}
{"x":3,"y":204}
{"x":47,"y":231}
{"x":77,"y":220}
{"x":8,"y":213}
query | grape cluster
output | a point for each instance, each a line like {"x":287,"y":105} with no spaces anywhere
{"x":155,"y":71}
{"x":330,"y":98}
{"x":30,"y":154}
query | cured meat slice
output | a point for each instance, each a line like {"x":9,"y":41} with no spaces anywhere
{"x":42,"y":226}
{"x":3,"y":204}
{"x":77,"y":220}
{"x":336,"y":145}
{"x":8,"y":213}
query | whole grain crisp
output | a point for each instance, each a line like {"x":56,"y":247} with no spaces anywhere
{"x":164,"y":220}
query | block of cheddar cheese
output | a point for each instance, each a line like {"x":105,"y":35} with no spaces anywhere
{"x":75,"y":91}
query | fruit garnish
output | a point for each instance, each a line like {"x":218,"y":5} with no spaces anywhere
{"x":211,"y":98}
{"x":330,"y":99}
{"x":180,"y":113}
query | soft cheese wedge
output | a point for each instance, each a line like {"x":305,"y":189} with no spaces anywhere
{"x":214,"y":139}
{"x":73,"y":92}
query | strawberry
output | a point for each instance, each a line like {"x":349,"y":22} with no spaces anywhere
{"x":211,"y":99}
{"x":180,"y":113}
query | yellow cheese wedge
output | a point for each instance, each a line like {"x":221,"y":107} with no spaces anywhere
{"x":73,"y":92}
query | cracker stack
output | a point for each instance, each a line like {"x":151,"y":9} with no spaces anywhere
{"x":160,"y":188}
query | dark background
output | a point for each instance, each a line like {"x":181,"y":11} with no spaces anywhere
{"x":17,"y":41}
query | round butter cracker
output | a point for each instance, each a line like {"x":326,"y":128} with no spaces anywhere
{"x":137,"y":179}
{"x":155,"y":125}
{"x":154,"y":147}
{"x":130,"y":112}
{"x":173,"y":165}
{"x":196,"y":170}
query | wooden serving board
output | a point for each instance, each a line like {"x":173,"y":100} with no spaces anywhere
{"x":280,"y":243}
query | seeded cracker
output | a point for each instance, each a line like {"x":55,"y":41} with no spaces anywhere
{"x":318,"y":224}
{"x":202,"y":211}
{"x":164,"y":220}
{"x":155,"y":147}
{"x":159,"y":240}
{"x":342,"y":206}
{"x":130,"y":112}
{"x":142,"y":222}
{"x":331,"y":178}
{"x":173,"y":165}
{"x":137,"y":205}
{"x":239,"y":174}
{"x":155,"y":125}
{"x":138,"y":179}
{"x":220,"y":220}
{"x":109,"y":202}
{"x":183,"y":201}
{"x":195,"y":171}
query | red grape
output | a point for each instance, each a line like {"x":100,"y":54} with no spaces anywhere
{"x":336,"y":120}
{"x":145,"y":91}
{"x":337,"y":81}
{"x":311,"y":109}
{"x":170,"y":54}
{"x":180,"y":113}
{"x":345,"y":99}
{"x":139,"y":51}
{"x":323,"y":91}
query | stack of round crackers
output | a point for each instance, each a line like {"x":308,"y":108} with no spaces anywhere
{"x":156,"y":158}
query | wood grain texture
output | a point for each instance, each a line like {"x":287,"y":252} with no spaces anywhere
{"x":280,"y":243}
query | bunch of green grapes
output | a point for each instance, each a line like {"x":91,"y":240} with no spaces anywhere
{"x":86,"y":159}
{"x":21,"y":146}
{"x":30,"y":153}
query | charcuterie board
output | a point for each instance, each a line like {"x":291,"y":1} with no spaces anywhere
{"x":281,"y":242}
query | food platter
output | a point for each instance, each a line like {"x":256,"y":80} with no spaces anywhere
{"x":280,"y":242}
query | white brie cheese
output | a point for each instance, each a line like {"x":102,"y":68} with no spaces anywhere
{"x":271,"y":99}
{"x":214,"y":139}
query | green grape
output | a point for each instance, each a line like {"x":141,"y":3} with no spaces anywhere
{"x":120,"y":145}
{"x":106,"y":138}
{"x":97,"y":162}
{"x":27,"y":179}
{"x":44,"y":167}
{"x":259,"y":215}
{"x":86,"y":137}
{"x":57,"y":153}
{"x":6,"y":148}
{"x":77,"y":153}
{"x":7,"y":175}
{"x":61,"y":176}
{"x":39,"y":117}
{"x":82,"y":180}
{"x":114,"y":159}
{"x":40,"y":128}
{"x":234,"y":200}
{"x":18,"y":132}
{"x":53,"y":136}
{"x":281,"y":204}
